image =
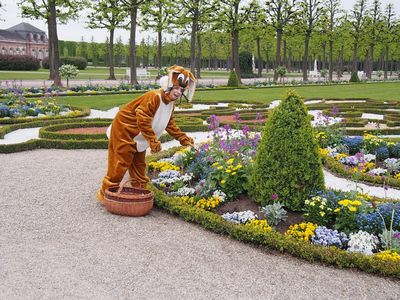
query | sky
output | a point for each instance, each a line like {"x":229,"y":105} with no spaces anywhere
{"x":10,"y":15}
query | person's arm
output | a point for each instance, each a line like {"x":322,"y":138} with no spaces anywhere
{"x":144,"y":115}
{"x":177,"y":133}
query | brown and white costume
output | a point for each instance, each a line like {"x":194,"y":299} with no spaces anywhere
{"x":138,"y":125}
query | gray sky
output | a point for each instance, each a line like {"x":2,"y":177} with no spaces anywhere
{"x":74,"y":31}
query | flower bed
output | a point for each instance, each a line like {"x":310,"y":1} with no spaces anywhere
{"x":346,"y":229}
{"x":367,"y":158}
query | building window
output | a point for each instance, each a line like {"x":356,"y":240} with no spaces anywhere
{"x":3,"y":50}
{"x":34,"y":53}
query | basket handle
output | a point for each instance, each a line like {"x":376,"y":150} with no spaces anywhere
{"x":124,"y":184}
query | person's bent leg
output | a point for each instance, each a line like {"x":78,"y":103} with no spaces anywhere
{"x":119,"y":160}
{"x":137,"y":170}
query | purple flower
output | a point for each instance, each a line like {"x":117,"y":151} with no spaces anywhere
{"x":334,"y":111}
{"x":259,"y":116}
{"x":213,"y":122}
{"x":274,"y":197}
{"x":236,"y":116}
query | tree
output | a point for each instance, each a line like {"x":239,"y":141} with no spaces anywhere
{"x":119,"y":51}
{"x":280,"y":13}
{"x":357,"y":23}
{"x":232,"y":18}
{"x":311,"y":11}
{"x":68,"y":71}
{"x":133,"y":7}
{"x":108,"y":14}
{"x":257,"y":25}
{"x":389,"y":32}
{"x":333,"y":9}
{"x":52,"y":11}
{"x":158,"y":15}
{"x":82,"y":48}
{"x":374,"y":27}
{"x":197,"y":14}
{"x":92,"y":51}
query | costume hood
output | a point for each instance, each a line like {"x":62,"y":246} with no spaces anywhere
{"x":177,"y":75}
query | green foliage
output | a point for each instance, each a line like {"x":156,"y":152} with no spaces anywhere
{"x":287,"y":162}
{"x":246,"y":64}
{"x":233,"y":81}
{"x":354,"y":77}
{"x":77,"y":61}
{"x":274,"y":213}
{"x":19,"y":62}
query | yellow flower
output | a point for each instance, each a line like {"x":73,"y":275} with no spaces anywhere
{"x":352,"y":208}
{"x":230,"y":161}
{"x":233,"y":173}
{"x":337,"y":210}
{"x":215,"y":164}
{"x":322,"y":213}
{"x":223,"y":181}
{"x":228,"y":171}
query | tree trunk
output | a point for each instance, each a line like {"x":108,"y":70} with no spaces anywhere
{"x":385,"y":73}
{"x":54,"y":53}
{"x":371,"y":61}
{"x":198,"y":56}
{"x":111,"y":55}
{"x":159,"y":49}
{"x":323,"y":56}
{"x":284,"y":53}
{"x":367,"y":62}
{"x":355,"y":61}
{"x":330,"y":60}
{"x":132,"y":44}
{"x":235,"y":54}
{"x":259,"y":59}
{"x":305,"y":57}
{"x":195,"y":28}
{"x":279,"y":33}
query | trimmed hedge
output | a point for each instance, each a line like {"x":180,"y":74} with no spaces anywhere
{"x":19,"y":62}
{"x":339,"y":169}
{"x":77,"y":61}
{"x":84,"y":112}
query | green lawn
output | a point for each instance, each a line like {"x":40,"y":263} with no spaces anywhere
{"x":102,"y":73}
{"x":378,"y":91}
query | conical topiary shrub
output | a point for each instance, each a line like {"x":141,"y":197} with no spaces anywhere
{"x":287,"y":165}
{"x":354,"y":77}
{"x":233,"y":81}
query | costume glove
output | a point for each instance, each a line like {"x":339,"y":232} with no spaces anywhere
{"x":155,"y":147}
{"x":186,"y":141}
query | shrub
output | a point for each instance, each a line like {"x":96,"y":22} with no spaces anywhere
{"x":233,"y":80}
{"x":77,"y":61}
{"x":246,"y":64}
{"x":19,"y":62}
{"x":354,"y":77}
{"x":287,"y":161}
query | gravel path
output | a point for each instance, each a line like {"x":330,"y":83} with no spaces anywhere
{"x":57,"y":242}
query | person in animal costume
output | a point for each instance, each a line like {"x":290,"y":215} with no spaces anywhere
{"x":140,"y":123}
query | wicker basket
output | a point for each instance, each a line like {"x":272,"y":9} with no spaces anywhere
{"x":128,"y":201}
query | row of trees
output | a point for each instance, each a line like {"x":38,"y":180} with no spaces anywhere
{"x":303,"y":29}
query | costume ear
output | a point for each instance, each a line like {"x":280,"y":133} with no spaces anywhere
{"x":164,"y":82}
{"x":191,"y":88}
{"x":191,"y":85}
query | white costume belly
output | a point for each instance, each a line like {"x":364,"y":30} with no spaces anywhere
{"x":159,"y":123}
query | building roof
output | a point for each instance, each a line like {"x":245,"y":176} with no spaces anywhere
{"x":7,"y":35}
{"x":25,"y":27}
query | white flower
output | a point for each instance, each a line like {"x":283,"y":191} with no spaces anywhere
{"x":362,"y":242}
{"x":240,"y":217}
{"x":220,"y":194}
{"x":377,"y":171}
